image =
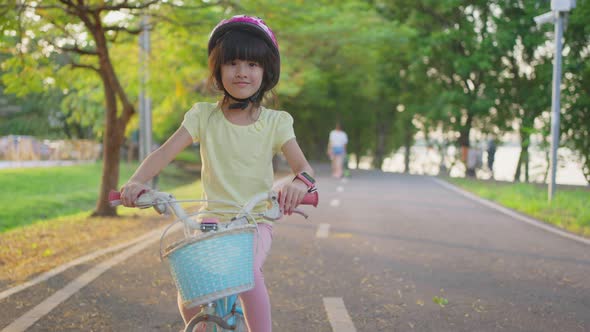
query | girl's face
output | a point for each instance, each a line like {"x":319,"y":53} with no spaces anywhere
{"x":241,"y":78}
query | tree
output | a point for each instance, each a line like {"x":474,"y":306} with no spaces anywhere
{"x":522,"y":88}
{"x":576,"y":103}
{"x":83,"y":35}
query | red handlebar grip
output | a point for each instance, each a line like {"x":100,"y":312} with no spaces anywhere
{"x":114,"y":198}
{"x":311,"y":199}
{"x":114,"y":195}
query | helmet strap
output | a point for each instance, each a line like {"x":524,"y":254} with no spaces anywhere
{"x":242,"y":103}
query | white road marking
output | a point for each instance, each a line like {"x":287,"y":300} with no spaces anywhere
{"x":335,"y":202}
{"x":77,"y":261}
{"x":339,"y":189}
{"x":511,"y":213}
{"x":43,"y":308}
{"x":323,"y":231}
{"x":337,"y":315}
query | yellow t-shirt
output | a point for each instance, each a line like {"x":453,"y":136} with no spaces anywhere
{"x":236,"y":160}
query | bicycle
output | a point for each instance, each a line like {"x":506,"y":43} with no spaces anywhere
{"x":213,"y":280}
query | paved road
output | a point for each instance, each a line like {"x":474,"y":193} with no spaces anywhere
{"x":395,"y":242}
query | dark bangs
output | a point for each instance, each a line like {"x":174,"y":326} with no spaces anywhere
{"x":243,"y":45}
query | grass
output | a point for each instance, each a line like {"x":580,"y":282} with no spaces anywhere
{"x":42,"y":244}
{"x":568,"y":210}
{"x":37,"y":194}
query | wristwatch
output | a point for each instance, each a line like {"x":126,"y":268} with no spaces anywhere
{"x":307,"y":179}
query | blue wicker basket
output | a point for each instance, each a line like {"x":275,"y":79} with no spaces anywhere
{"x":213,"y":265}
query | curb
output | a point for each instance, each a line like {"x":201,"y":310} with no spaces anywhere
{"x":512,"y":213}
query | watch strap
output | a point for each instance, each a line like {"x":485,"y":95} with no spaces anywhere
{"x":307,"y":179}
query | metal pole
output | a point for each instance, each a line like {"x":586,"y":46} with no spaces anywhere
{"x":145,"y":114}
{"x":555,"y":101}
{"x":142,"y":152}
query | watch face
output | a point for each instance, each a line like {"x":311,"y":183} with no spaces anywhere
{"x":308,"y":177}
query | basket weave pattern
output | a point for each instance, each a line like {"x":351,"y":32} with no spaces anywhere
{"x":213,"y":265}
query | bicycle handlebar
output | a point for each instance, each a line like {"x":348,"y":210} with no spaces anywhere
{"x":160,"y":202}
{"x":309,"y":198}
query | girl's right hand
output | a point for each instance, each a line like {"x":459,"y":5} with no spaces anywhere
{"x":131,"y":191}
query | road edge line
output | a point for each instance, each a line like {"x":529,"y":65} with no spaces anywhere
{"x":77,"y":261}
{"x":529,"y":220}
{"x":39,"y":311}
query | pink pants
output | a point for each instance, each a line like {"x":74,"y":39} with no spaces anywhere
{"x":255,"y":302}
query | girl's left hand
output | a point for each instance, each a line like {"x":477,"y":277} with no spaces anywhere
{"x":291,"y":195}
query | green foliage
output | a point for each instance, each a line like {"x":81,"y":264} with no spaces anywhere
{"x":576,"y":117}
{"x":449,"y":65}
{"x":25,"y":121}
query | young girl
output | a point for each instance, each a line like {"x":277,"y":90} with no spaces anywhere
{"x":238,"y":139}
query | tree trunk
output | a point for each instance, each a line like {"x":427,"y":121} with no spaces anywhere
{"x":408,"y":149}
{"x":357,"y":151}
{"x":526,"y":164}
{"x":464,"y":139}
{"x":112,"y":140}
{"x":114,"y":132}
{"x":384,"y":123}
{"x":523,"y":158}
{"x":380,"y":147}
{"x":586,"y":169}
{"x":518,"y":164}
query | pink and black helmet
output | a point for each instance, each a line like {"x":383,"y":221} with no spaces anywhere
{"x":255,"y":26}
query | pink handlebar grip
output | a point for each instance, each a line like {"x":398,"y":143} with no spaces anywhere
{"x":114,"y":198}
{"x":311,"y":199}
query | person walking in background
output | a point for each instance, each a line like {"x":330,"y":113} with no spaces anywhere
{"x":337,"y":150}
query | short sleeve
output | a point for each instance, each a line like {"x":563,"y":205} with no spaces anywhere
{"x":192,"y":122}
{"x":284,"y":130}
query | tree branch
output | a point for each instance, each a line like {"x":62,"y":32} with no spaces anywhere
{"x":97,"y":9}
{"x":76,"y":49}
{"x":118,"y":29}
{"x":124,"y":5}
{"x":75,"y":64}
{"x":218,"y":3}
{"x":79,"y":65}
{"x":427,"y":10}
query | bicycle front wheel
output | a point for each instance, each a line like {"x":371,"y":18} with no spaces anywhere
{"x":196,"y":325}
{"x":211,"y":323}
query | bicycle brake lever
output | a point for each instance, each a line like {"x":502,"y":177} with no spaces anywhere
{"x":274,"y":212}
{"x":147,"y":199}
